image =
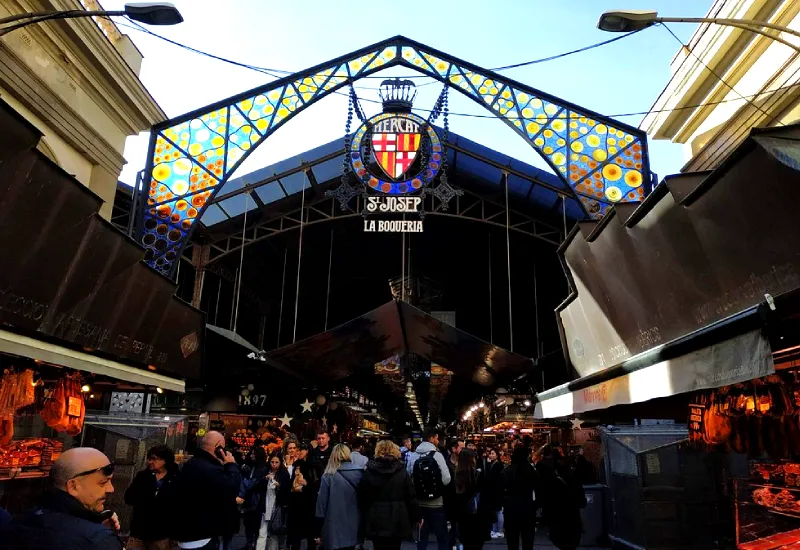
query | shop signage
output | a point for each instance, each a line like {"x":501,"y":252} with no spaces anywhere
{"x":395,"y":156}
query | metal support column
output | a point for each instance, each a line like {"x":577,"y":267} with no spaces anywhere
{"x":200,"y":256}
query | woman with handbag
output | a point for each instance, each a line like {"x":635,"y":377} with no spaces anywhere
{"x":337,"y":503}
{"x":472,"y":502}
{"x":273,"y":524}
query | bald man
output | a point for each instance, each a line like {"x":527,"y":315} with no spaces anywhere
{"x":71,"y":514}
{"x":207,"y":488}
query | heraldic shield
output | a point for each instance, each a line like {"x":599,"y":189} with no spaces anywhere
{"x":395,"y":143}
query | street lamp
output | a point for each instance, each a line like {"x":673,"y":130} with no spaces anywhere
{"x":149,"y":13}
{"x":636,"y":20}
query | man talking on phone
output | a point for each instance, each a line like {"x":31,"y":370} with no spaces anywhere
{"x":71,"y":515}
{"x":206,"y":490}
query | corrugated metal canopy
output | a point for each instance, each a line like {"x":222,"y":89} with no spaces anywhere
{"x":478,"y":165}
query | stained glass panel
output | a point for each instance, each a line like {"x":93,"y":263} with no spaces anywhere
{"x":601,"y":162}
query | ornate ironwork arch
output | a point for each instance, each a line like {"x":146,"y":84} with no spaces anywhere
{"x":191,"y":156}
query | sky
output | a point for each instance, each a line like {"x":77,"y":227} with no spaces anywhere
{"x":623,"y":77}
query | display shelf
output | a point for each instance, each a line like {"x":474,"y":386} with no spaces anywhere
{"x":24,"y":475}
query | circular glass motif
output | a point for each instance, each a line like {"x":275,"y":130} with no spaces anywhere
{"x":388,"y":151}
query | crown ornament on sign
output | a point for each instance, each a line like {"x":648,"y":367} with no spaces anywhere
{"x":397,"y":95}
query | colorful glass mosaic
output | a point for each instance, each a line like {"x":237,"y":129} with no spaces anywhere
{"x":603,"y":161}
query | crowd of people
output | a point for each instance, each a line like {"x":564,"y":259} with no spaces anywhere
{"x":326,"y":495}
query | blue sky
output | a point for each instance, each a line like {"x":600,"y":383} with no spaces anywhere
{"x":623,"y":77}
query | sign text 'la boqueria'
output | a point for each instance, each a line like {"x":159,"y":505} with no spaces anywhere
{"x":393,"y":226}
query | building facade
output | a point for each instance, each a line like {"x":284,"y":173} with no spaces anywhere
{"x":728,"y":80}
{"x":76,"y":81}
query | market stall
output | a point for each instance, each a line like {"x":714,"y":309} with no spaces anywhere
{"x":758,"y":420}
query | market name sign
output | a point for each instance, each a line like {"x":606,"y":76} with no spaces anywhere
{"x":395,"y":157}
{"x":393,"y":205}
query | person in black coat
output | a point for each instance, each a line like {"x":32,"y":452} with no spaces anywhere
{"x":386,"y":497}
{"x":71,"y":514}
{"x":251,"y":492}
{"x":472,"y":507}
{"x":520,"y":482}
{"x":153,"y":497}
{"x":301,"y":521}
{"x":207,"y":489}
{"x":562,"y":499}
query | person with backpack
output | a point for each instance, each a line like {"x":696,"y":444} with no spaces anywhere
{"x":562,"y":499}
{"x":430,"y":475}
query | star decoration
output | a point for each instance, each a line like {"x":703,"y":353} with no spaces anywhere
{"x":286,"y":420}
{"x":576,"y":423}
{"x":306,"y":406}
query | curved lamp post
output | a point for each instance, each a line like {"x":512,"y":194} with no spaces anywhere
{"x":635,"y":20}
{"x":149,"y":13}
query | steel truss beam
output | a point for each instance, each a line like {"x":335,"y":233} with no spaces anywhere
{"x":470,"y":206}
{"x":191,"y":157}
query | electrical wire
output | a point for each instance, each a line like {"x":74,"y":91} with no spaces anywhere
{"x":718,"y":77}
{"x":270,"y":71}
{"x":279,"y":73}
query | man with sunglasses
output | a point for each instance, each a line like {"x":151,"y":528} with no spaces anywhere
{"x":72,"y":515}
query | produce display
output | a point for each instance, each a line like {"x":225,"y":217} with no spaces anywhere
{"x":244,"y":438}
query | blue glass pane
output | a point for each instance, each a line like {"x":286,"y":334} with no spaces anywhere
{"x":295,"y":183}
{"x":328,"y":170}
{"x":213,"y":215}
{"x":270,"y":193}
{"x":235,"y":206}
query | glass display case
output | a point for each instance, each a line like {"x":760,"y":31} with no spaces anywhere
{"x":768,"y":506}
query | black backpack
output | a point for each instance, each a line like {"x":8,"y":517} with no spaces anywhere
{"x":427,"y":477}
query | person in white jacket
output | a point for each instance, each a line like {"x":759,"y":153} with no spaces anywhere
{"x":434,"y":518}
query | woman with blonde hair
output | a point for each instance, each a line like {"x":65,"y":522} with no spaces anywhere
{"x":386,"y":495}
{"x":337,"y":503}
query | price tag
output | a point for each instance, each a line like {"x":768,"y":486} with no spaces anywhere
{"x":74,"y":406}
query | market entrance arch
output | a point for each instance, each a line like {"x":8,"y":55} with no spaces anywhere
{"x":603,"y":161}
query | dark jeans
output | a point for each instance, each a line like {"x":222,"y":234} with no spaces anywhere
{"x":383,"y":543}
{"x":523,"y":529}
{"x":252,"y":524}
{"x":434,"y":521}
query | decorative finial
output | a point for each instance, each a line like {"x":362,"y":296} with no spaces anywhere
{"x":397,"y":95}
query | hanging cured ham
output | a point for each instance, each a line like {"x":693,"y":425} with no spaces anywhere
{"x":65,"y":410}
{"x":16,"y":391}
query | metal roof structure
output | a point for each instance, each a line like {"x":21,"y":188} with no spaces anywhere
{"x":530,"y":186}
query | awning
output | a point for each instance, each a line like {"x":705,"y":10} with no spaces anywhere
{"x":700,"y":248}
{"x":393,"y":328}
{"x":716,"y":356}
{"x":25,"y":346}
{"x":71,"y":279}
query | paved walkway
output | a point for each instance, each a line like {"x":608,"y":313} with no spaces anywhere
{"x":542,"y":543}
